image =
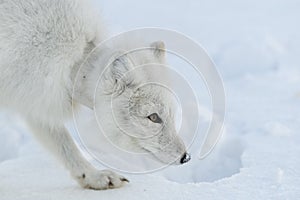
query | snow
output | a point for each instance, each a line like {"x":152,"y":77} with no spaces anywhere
{"x":255,"y":45}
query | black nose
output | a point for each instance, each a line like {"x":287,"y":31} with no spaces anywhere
{"x":185,"y":158}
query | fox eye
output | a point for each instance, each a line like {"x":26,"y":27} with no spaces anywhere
{"x":155,"y":118}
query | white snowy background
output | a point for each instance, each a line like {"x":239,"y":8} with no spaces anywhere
{"x":255,"y":45}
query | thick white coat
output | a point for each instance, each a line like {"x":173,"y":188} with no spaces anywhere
{"x":42,"y":45}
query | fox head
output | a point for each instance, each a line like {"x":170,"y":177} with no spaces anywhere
{"x":135,"y":112}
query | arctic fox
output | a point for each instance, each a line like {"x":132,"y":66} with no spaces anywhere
{"x":42,"y":45}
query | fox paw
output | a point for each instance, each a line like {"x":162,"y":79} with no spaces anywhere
{"x":101,"y":180}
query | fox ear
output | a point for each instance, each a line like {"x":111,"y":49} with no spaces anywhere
{"x":159,"y":50}
{"x":116,"y":76}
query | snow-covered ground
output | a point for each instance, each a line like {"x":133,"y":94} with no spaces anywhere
{"x":255,"y":45}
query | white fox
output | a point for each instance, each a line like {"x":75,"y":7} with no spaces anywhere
{"x":42,"y":45}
